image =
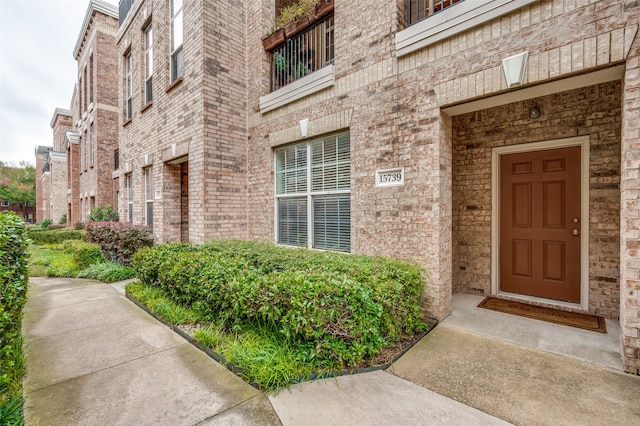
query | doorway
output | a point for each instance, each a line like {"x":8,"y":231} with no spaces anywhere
{"x":540,"y":239}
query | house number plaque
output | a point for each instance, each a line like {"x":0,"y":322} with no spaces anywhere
{"x":390,"y":177}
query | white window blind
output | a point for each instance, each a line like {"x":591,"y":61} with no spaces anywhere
{"x":313,"y":182}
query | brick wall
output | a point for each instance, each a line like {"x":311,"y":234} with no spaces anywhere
{"x":593,"y":111}
{"x":200,"y":119}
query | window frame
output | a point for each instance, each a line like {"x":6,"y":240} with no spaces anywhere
{"x":128,"y":184}
{"x":148,"y":196}
{"x":176,"y":63}
{"x":128,"y":64}
{"x":309,"y":194}
{"x":148,"y":64}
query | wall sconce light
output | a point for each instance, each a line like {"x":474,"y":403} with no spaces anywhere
{"x":534,"y":112}
{"x":304,"y":127}
{"x":514,"y":67}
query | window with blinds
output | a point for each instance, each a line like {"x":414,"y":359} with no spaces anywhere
{"x":313,"y":194}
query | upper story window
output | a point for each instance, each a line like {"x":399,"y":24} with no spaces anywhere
{"x":128,"y":84}
{"x":417,"y":10}
{"x":148,"y":59}
{"x":177,"y":60}
{"x":92,"y":142}
{"x":90,"y":80}
{"x":5,"y":203}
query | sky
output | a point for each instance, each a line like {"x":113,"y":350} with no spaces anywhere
{"x":37,"y":70}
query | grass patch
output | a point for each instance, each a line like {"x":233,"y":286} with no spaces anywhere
{"x":108,"y":272}
{"x":265,"y":357}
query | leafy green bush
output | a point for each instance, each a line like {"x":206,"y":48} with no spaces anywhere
{"x":63,"y":219}
{"x":55,"y":236}
{"x":118,"y":241}
{"x":45,"y":223}
{"x":85,"y":254}
{"x":14,"y":271}
{"x":106,"y":214}
{"x":108,"y":272}
{"x":341,"y":306}
{"x":62,"y":265}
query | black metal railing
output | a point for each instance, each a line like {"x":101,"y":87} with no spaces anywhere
{"x":418,"y":10}
{"x":302,"y":54}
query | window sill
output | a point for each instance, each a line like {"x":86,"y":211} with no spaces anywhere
{"x":452,"y":21}
{"x":314,"y":82}
{"x":146,"y":107}
{"x":126,"y":123}
{"x":173,"y":85}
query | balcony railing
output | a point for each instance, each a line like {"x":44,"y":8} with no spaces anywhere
{"x":302,"y":54}
{"x":418,"y":10}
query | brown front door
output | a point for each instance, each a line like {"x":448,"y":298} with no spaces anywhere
{"x":540,"y":223}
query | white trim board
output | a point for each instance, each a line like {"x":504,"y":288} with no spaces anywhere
{"x":581,"y":141}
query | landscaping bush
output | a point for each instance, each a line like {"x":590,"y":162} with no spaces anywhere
{"x":62,"y":265}
{"x":106,"y":214}
{"x":85,"y":254}
{"x":55,"y":236}
{"x":14,"y":272}
{"x":347,"y":306}
{"x":118,"y":241}
{"x":45,"y":223}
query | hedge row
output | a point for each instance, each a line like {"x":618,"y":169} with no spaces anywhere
{"x":14,"y":271}
{"x":118,"y":240}
{"x":346,"y":307}
{"x":84,"y":254}
{"x":55,"y":236}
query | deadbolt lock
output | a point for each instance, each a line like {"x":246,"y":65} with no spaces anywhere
{"x":576,"y":220}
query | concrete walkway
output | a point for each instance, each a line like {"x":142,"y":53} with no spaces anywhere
{"x":94,"y":358}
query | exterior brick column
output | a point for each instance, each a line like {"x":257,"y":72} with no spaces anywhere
{"x":630,"y":214}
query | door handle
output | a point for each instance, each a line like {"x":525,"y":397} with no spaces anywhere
{"x":575,"y":231}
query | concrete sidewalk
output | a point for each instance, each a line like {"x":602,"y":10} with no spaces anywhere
{"x":94,"y":358}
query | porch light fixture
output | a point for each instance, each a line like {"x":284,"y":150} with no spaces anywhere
{"x":304,"y":127}
{"x":514,"y":67}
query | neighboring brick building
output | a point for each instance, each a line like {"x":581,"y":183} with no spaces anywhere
{"x":183,"y":118}
{"x":61,"y":123}
{"x":95,"y":111}
{"x":28,"y":213}
{"x":42,"y":182}
{"x":378,"y":132}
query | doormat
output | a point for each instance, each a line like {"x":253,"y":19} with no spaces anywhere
{"x":572,"y":319}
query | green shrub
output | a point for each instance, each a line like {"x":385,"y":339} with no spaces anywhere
{"x":55,"y":236}
{"x":85,"y":254}
{"x":347,"y":306}
{"x":45,"y":223}
{"x":63,"y":220}
{"x":14,"y":271}
{"x":108,"y":272}
{"x":118,"y":241}
{"x":62,"y":265}
{"x":106,"y":214}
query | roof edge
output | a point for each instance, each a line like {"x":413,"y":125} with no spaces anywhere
{"x":60,"y":111}
{"x":94,"y":6}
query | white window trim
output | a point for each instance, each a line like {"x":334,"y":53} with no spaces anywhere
{"x":129,"y":86}
{"x":454,"y":20}
{"x":307,"y":85}
{"x":148,"y":54}
{"x":128,"y":182}
{"x":175,"y":49}
{"x":308,"y":194}
{"x":148,"y":194}
{"x":583,"y":142}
